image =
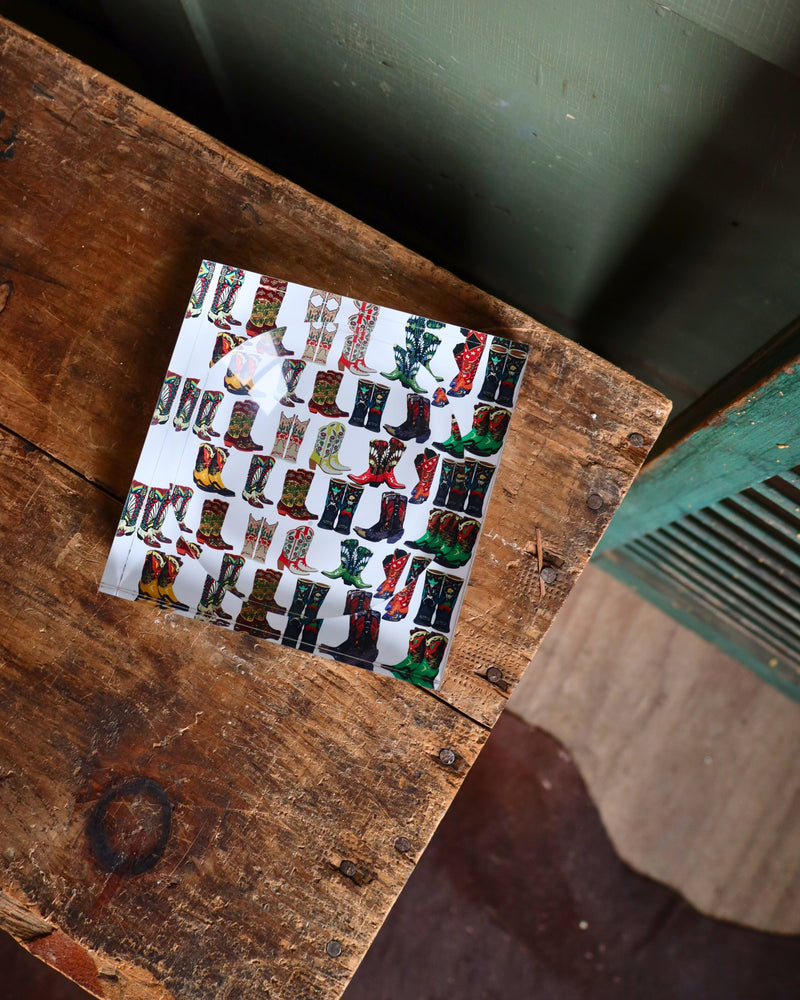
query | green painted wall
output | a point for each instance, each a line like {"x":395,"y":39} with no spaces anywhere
{"x":626,"y":171}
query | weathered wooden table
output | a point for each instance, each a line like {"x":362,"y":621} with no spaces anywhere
{"x":175,"y":809}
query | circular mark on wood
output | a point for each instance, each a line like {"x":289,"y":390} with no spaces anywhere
{"x":594,"y":501}
{"x":129,"y":827}
{"x":494,"y":675}
{"x":333,"y":948}
{"x":447,"y":756}
{"x":402,"y":845}
{"x":549,"y":574}
{"x":636,"y":439}
{"x":348,"y":869}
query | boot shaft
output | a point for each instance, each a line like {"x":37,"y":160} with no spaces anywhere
{"x":362,"y":402}
{"x":266,"y":305}
{"x":478,"y":486}
{"x":296,"y":436}
{"x":189,"y":397}
{"x":169,"y":390}
{"x":377,"y":403}
{"x":515,"y":362}
{"x":393,"y":566}
{"x":333,"y":502}
{"x":448,"y":595}
{"x":432,"y":588}
{"x":426,"y":471}
{"x":348,"y":508}
{"x":265,"y":536}
{"x":498,"y":352}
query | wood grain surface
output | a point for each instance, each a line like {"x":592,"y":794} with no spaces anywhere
{"x":177,"y":799}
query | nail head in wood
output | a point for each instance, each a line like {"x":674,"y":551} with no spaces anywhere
{"x":347,"y":868}
{"x":402,"y":845}
{"x":447,"y":756}
{"x":594,"y":501}
{"x":636,"y":439}
{"x":493,"y":675}
{"x":549,"y":574}
{"x":334,"y":949}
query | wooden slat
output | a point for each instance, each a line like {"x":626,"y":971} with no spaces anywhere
{"x":277,"y":766}
{"x":732,"y":575}
{"x":749,"y":529}
{"x":706,"y":621}
{"x":757,"y":547}
{"x":707,"y":592}
{"x":732,"y":559}
{"x":769,"y":495}
{"x":740,"y":602}
{"x":773,"y":520}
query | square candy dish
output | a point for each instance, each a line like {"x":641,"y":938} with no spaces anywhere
{"x":317,"y":471}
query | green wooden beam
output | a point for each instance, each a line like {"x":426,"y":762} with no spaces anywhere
{"x":750,"y":441}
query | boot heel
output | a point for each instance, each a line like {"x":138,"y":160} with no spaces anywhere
{"x":422,"y":438}
{"x":392,"y":539}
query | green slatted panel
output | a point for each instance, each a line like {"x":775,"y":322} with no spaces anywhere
{"x":731,"y":571}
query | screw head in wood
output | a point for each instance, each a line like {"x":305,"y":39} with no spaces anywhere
{"x":402,"y":845}
{"x":348,"y":869}
{"x":334,"y":949}
{"x":636,"y":439}
{"x":549,"y":574}
{"x":594,"y":501}
{"x":447,"y":756}
{"x":493,"y":675}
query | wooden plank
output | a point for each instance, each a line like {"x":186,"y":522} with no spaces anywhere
{"x":272,"y":766}
{"x":276,"y":768}
{"x":750,"y":441}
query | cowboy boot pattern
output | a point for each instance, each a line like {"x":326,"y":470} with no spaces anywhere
{"x":430,"y":535}
{"x":291,"y":372}
{"x":166,"y":398}
{"x":228,"y":284}
{"x":398,"y":606}
{"x":393,"y":566}
{"x":200,"y":290}
{"x":189,"y":396}
{"x":468,"y":358}
{"x":361,"y":324}
{"x":206,"y":412}
{"x":181,"y":496}
{"x":132,"y":509}
{"x":264,"y":313}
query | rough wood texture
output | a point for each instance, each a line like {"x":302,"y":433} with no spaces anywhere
{"x":220,"y":780}
{"x":691,"y":759}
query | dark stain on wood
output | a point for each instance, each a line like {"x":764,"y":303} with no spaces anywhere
{"x":129,"y":827}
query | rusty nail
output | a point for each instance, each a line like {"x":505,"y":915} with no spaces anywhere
{"x":447,"y":756}
{"x":403,"y":845}
{"x":594,"y":501}
{"x":493,"y":675}
{"x":549,"y":574}
{"x":636,"y":439}
{"x":333,"y":948}
{"x":348,"y":869}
